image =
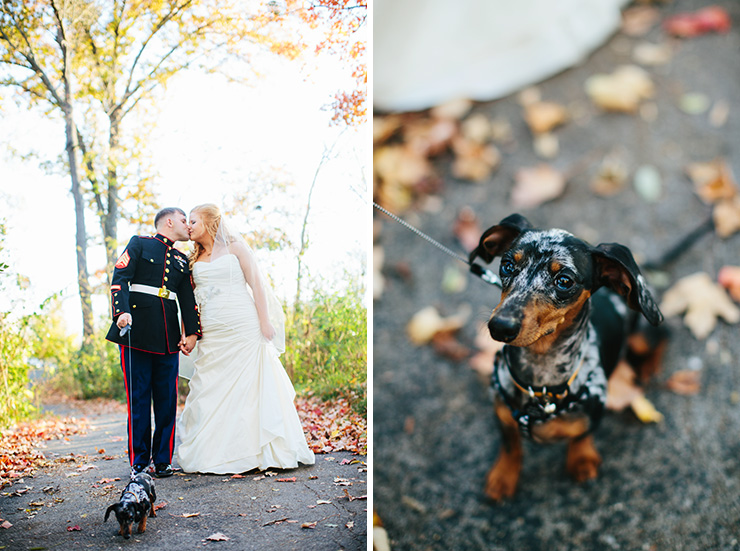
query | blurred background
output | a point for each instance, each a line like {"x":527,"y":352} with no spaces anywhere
{"x":616,"y":121}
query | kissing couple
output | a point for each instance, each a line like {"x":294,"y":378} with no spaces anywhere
{"x":239,"y":414}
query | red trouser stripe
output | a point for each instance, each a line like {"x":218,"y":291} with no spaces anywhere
{"x":128,"y":406}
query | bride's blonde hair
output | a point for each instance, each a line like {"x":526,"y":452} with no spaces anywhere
{"x":210,"y":217}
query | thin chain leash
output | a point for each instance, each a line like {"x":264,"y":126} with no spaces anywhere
{"x":126,"y":330}
{"x":476,"y":269}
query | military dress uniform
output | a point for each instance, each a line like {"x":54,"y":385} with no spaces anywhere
{"x":150,"y":278}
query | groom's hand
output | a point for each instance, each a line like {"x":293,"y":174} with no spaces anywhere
{"x":123,"y":320}
{"x":188,"y":343}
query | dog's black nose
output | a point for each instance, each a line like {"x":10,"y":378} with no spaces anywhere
{"x":503,"y":328}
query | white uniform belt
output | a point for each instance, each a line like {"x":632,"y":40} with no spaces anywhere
{"x":160,"y":292}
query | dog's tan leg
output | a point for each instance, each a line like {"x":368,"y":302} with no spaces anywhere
{"x":142,"y":525}
{"x":152,"y":513}
{"x":583,"y":460}
{"x":503,"y":477}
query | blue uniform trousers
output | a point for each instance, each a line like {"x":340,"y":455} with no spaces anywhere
{"x":150,"y":379}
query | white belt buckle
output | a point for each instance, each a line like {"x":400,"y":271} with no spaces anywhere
{"x":162,"y":292}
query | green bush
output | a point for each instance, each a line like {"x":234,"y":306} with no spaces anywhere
{"x":326,"y":346}
{"x":16,"y":394}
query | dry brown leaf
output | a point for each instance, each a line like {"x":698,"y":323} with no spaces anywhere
{"x":482,"y":362}
{"x":543,"y":116}
{"x":611,"y":176}
{"x":650,"y":54}
{"x":454,"y":109}
{"x":712,"y":180}
{"x":477,"y":128}
{"x":429,"y":137}
{"x":622,"y":391}
{"x":467,"y":229}
{"x":474,"y":161}
{"x":428,"y":322}
{"x":622,"y":90}
{"x":309,"y":525}
{"x":398,"y":171}
{"x":729,"y":278}
{"x":535,"y":186}
{"x":446,"y":344}
{"x":385,"y":127}
{"x":637,"y":21}
{"x":686,"y":382}
{"x":703,"y":301}
{"x":726,"y":216}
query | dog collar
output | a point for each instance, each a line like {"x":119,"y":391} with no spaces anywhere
{"x":556,"y":392}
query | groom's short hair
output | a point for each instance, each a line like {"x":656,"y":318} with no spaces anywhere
{"x":165,"y":212}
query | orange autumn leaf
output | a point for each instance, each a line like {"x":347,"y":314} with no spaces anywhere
{"x":686,"y":382}
{"x":729,"y":278}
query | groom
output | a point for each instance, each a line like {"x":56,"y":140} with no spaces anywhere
{"x":150,"y":278}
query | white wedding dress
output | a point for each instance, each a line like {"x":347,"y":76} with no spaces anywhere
{"x":239,"y":414}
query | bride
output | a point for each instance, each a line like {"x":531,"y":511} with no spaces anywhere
{"x":239,"y":414}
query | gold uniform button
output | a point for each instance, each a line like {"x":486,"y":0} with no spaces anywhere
{"x":167,"y":270}
{"x":168,"y":262}
{"x":134,"y":306}
{"x":165,"y":278}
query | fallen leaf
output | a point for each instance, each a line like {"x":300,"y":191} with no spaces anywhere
{"x":291,"y":479}
{"x":650,"y":54}
{"x":322,"y":502}
{"x":611,"y":175}
{"x":160,"y":505}
{"x":638,"y":20}
{"x":546,"y":146}
{"x":467,"y":229}
{"x":534,"y":186}
{"x":543,"y":116}
{"x":84,"y":468}
{"x":108,"y":480}
{"x":622,"y":90}
{"x":218,"y":536}
{"x":351,"y":497}
{"x":703,"y":301}
{"x":75,"y":528}
{"x":453,"y":109}
{"x":712,"y":19}
{"x":190,"y":515}
{"x":726,"y":216}
{"x":645,"y":410}
{"x":712,"y":180}
{"x":686,"y":382}
{"x":6,"y":524}
{"x":350,"y":525}
{"x":276,"y":521}
{"x":477,"y":128}
{"x":622,"y":389}
{"x":237,"y":476}
{"x":474,"y":161}
{"x":428,"y":322}
{"x":729,"y":278}
{"x":648,"y":183}
{"x":309,"y":525}
{"x":446,"y":344}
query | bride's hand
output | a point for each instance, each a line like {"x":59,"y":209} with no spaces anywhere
{"x":268,"y":331}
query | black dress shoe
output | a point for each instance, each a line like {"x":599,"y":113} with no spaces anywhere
{"x":163,"y":470}
{"x":136,"y":469}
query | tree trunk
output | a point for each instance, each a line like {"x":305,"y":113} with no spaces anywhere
{"x":110,"y":230}
{"x":83,"y":277}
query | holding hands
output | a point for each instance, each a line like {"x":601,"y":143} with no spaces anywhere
{"x":187,"y":344}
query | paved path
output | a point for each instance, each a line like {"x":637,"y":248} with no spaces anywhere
{"x":65,"y":503}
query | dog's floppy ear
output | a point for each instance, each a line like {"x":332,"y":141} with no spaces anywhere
{"x":112,"y":508}
{"x":497,"y":238}
{"x":617,"y":269}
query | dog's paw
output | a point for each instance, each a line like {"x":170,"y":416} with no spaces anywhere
{"x":501,"y":481}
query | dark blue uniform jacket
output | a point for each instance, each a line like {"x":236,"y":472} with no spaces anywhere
{"x":155,"y":328}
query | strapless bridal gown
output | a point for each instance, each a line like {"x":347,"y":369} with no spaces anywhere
{"x":239,"y":414}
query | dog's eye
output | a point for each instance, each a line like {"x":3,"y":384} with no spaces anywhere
{"x":563,"y":282}
{"x":506,"y":268}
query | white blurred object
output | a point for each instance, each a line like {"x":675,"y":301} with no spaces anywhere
{"x":427,"y":52}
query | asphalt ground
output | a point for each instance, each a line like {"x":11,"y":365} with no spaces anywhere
{"x":65,"y":503}
{"x":674,"y":485}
